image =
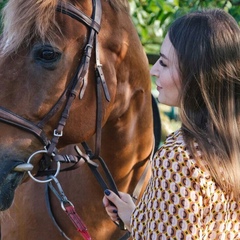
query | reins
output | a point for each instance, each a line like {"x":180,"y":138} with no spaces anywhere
{"x":104,"y":185}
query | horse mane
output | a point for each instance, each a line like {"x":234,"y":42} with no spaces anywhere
{"x":25,"y":19}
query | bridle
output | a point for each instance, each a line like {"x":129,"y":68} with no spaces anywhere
{"x":76,"y":87}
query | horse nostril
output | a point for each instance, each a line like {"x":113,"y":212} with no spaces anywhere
{"x":23,"y":167}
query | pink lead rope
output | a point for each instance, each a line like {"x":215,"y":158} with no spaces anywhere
{"x":69,"y":208}
{"x":77,"y":221}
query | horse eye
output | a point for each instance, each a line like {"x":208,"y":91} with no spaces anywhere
{"x":46,"y":56}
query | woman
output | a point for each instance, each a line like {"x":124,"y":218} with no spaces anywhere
{"x":194,"y":192}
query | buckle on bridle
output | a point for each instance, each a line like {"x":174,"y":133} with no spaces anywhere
{"x":57,"y":134}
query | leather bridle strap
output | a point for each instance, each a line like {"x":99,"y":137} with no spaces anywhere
{"x":92,"y":42}
{"x":11,"y":118}
{"x":78,"y":15}
{"x":97,"y":12}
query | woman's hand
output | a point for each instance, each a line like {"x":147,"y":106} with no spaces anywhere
{"x":119,"y":207}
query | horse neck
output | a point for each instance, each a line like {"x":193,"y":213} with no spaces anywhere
{"x":129,"y":126}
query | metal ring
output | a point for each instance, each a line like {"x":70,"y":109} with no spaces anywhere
{"x":63,"y":207}
{"x":37,"y":180}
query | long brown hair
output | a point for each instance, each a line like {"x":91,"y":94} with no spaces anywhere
{"x":207,"y":44}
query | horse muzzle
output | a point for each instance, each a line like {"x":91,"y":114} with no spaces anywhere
{"x":9,"y":180}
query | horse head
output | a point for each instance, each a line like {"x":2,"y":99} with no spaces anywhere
{"x":58,"y":60}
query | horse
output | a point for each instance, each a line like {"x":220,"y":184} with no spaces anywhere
{"x":72,"y":73}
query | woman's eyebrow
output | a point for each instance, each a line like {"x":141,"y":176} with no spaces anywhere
{"x":163,"y":56}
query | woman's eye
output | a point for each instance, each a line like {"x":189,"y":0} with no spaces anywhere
{"x":162,"y":63}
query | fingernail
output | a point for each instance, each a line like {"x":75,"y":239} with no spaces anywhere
{"x":107,"y":192}
{"x":115,"y":211}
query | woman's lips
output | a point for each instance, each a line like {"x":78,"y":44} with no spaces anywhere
{"x":159,"y":88}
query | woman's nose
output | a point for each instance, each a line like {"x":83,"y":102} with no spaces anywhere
{"x":154,"y":71}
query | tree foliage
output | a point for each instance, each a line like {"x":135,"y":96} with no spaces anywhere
{"x":2,"y":3}
{"x":152,"y":17}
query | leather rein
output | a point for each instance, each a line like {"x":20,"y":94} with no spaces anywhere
{"x":75,"y":88}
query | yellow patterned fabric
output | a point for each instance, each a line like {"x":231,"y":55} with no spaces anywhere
{"x":182,"y":201}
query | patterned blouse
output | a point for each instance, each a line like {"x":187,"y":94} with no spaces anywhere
{"x":182,"y":201}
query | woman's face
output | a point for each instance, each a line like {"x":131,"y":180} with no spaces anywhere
{"x":167,"y":76}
